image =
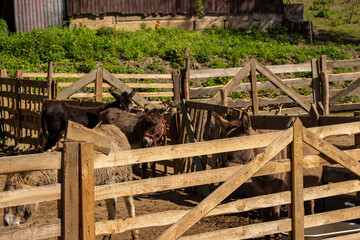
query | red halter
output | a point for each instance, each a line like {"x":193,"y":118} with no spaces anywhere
{"x":153,"y":136}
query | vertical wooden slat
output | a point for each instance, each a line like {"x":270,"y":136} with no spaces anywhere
{"x":323,"y":62}
{"x":18,"y":105}
{"x":224,"y":100}
{"x":98,"y":85}
{"x":325,"y":91}
{"x":49,"y":80}
{"x":357,"y":136}
{"x":176,"y":83}
{"x":297,"y":195}
{"x":87,"y":191}
{"x":315,"y":81}
{"x":70,"y":192}
{"x":186,"y":77}
{"x":254,"y":95}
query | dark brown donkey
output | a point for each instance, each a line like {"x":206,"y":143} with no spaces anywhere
{"x":271,"y":183}
{"x":142,"y":130}
{"x":55,"y":117}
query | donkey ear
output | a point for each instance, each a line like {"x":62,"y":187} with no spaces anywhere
{"x":245,"y":119}
{"x":114,"y":94}
{"x":132,"y":94}
{"x":146,"y":108}
{"x":224,"y":124}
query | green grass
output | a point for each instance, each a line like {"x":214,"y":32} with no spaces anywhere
{"x":147,"y":50}
{"x":332,"y":19}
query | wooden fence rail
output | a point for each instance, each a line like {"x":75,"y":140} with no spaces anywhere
{"x":53,"y":192}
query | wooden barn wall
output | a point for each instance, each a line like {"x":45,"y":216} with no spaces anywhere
{"x":187,"y":7}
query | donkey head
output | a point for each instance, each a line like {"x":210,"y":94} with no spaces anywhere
{"x":154,"y":126}
{"x":236,"y":128}
{"x":123,"y":101}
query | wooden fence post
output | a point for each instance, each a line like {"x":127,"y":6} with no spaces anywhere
{"x":87,"y":191}
{"x":186,"y":77}
{"x":323,"y":62}
{"x":254,"y":94}
{"x":325,"y":92}
{"x":176,"y":83}
{"x":315,"y":82}
{"x":49,"y":80}
{"x":70,"y":192}
{"x":297,"y":196}
{"x":357,"y":136}
{"x":18,"y":105}
{"x":224,"y":100}
{"x":98,"y":85}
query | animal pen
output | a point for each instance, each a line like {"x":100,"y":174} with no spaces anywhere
{"x":189,"y":134}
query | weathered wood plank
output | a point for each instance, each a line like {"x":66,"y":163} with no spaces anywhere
{"x":254,"y":90}
{"x":204,"y":207}
{"x":99,"y":85}
{"x":233,"y":82}
{"x":343,"y":63}
{"x":277,"y":81}
{"x":70,"y":192}
{"x":82,"y":82}
{"x":77,"y":132}
{"x":110,"y":78}
{"x":87,"y":192}
{"x":343,"y":77}
{"x":325,"y":91}
{"x":331,"y":151}
{"x":351,"y":87}
{"x":230,"y":72}
{"x":208,"y":106}
{"x":297,"y":197}
{"x":261,"y":229}
{"x":131,"y":85}
{"x":117,"y":75}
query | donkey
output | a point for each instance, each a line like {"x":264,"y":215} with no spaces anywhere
{"x":271,"y":183}
{"x":54,"y":118}
{"x":21,"y":214}
{"x":142,"y":130}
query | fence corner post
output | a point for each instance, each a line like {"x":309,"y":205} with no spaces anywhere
{"x":70,"y":221}
{"x":297,"y":195}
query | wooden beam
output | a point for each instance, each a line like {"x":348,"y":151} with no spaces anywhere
{"x":176,"y":86}
{"x":254,"y":93}
{"x":82,"y":82}
{"x":351,"y":87}
{"x":331,"y":151}
{"x":70,"y":192}
{"x":284,"y":225}
{"x":87,"y":191}
{"x":208,"y":106}
{"x":49,"y":80}
{"x":204,"y":207}
{"x":280,"y":84}
{"x":343,"y":77}
{"x":297,"y":197}
{"x":77,"y":132}
{"x":110,"y":78}
{"x":233,"y":82}
{"x":344,"y":63}
{"x":325,"y":91}
{"x":315,"y":81}
{"x":98,"y":85}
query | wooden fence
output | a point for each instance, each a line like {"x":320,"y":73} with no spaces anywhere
{"x":232,"y":177}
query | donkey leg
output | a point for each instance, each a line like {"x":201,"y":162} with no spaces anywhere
{"x":130,"y":206}
{"x":153,"y":169}
{"x":111,"y":209}
{"x":143,"y":170}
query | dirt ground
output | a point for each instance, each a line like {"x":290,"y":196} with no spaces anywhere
{"x":176,"y":200}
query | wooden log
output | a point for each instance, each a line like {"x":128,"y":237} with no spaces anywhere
{"x":82,"y":82}
{"x":254,"y":93}
{"x":77,"y":132}
{"x":274,"y":79}
{"x":297,"y":197}
{"x":351,"y":87}
{"x":70,"y":192}
{"x":325,"y":91}
{"x":204,"y":207}
{"x":98,"y":85}
{"x":87,"y":191}
{"x":110,"y":78}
